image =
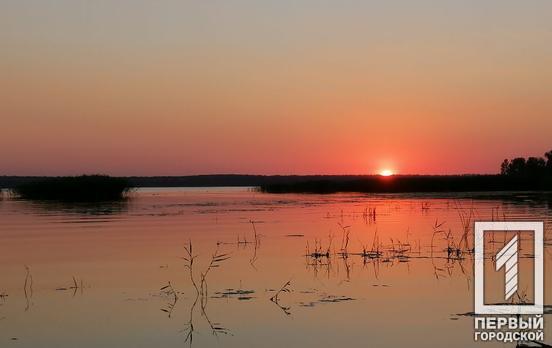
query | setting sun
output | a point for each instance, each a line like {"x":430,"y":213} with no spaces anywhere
{"x":252,"y":173}
{"x":386,"y":172}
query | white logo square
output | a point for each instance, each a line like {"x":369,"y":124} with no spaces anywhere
{"x":507,"y":258}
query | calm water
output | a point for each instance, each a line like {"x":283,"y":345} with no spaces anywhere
{"x":95,"y":273}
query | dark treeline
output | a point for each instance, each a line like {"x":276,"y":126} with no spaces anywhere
{"x":415,"y":183}
{"x":532,"y":167}
{"x":518,"y":174}
{"x":196,"y":180}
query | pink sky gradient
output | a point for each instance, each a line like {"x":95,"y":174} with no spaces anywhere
{"x":287,"y":87}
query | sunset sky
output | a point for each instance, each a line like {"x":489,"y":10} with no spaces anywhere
{"x":176,"y":87}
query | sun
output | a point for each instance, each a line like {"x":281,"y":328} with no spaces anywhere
{"x":386,"y":172}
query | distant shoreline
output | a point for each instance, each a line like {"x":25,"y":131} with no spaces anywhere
{"x":333,"y":183}
{"x":415,"y":184}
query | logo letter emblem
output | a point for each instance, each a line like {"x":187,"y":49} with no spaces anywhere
{"x":508,"y":258}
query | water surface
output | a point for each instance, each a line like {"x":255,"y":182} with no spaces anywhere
{"x":98,"y":275}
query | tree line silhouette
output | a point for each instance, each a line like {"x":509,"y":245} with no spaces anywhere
{"x":517,"y":174}
{"x":532,"y":167}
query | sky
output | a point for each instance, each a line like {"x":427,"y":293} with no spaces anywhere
{"x":176,"y":87}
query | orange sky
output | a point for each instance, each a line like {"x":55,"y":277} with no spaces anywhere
{"x":272,"y":87}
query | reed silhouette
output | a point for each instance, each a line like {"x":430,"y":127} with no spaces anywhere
{"x":84,"y":188}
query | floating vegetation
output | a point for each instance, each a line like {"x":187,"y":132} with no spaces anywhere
{"x":319,"y":251}
{"x":327,"y":299}
{"x":395,"y":251}
{"x":239,"y":294}
{"x":335,"y":299}
{"x":77,"y":284}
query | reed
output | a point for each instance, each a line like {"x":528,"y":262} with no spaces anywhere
{"x":283,"y":288}
{"x":276,"y":300}
{"x":201,"y":291}
{"x":257,"y":241}
{"x":466,"y":219}
{"x":345,"y":233}
{"x":190,"y":258}
{"x":28,"y":284}
{"x":85,"y":188}
{"x":169,"y":291}
{"x":216,"y":260}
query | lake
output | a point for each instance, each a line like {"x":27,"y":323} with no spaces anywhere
{"x":270,"y":270}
